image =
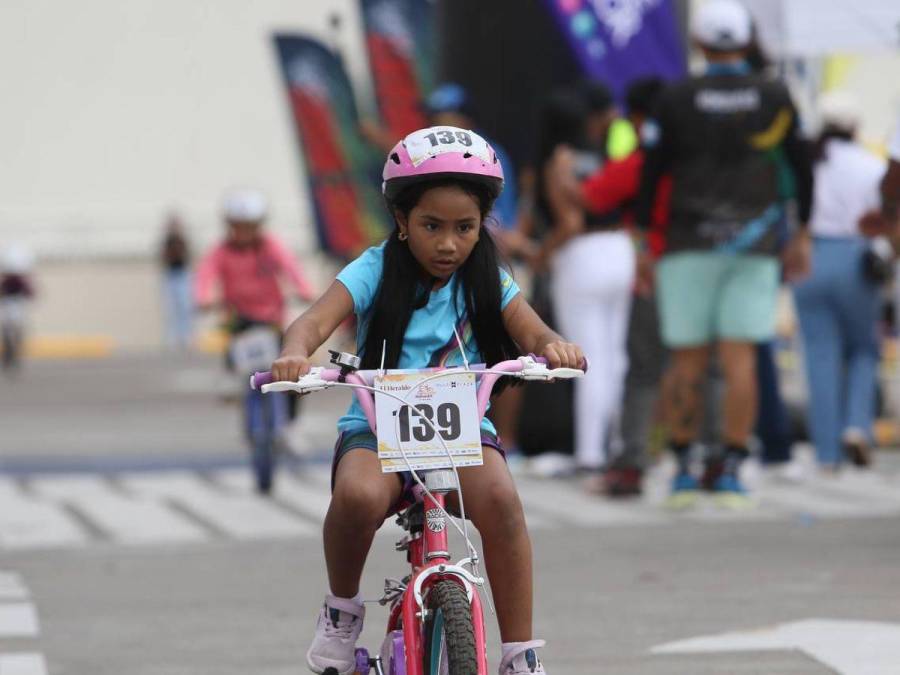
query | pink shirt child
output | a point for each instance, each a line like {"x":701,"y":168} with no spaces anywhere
{"x":249,"y":277}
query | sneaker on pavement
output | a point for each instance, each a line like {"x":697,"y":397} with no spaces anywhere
{"x":684,"y":492}
{"x":623,"y":482}
{"x":523,"y":661}
{"x":333,"y":651}
{"x":731,"y":493}
{"x":712,"y":470}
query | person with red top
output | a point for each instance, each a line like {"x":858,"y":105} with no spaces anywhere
{"x":249,"y":266}
{"x":610,"y":193}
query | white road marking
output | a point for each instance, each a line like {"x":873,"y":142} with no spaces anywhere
{"x":809,"y":500}
{"x":241,"y":516}
{"x":24,"y":663}
{"x":180,"y":506}
{"x":569,"y":503}
{"x":26,"y":523}
{"x":18,"y":619}
{"x":309,"y":498}
{"x":128,"y":520}
{"x":12,"y":587}
{"x":847,"y":647}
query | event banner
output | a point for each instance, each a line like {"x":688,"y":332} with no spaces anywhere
{"x":344,"y":172}
{"x":400,"y":38}
{"x":618,"y":41}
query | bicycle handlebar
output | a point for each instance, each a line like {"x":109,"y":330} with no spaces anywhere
{"x":525,"y":367}
{"x":512,"y":368}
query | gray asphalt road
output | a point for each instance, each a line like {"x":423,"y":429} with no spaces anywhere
{"x":604,"y":598}
{"x":612,"y":581}
{"x":138,"y":408}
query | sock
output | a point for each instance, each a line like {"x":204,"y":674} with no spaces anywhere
{"x":358,"y":598}
{"x":734,"y":455}
{"x":682,"y":452}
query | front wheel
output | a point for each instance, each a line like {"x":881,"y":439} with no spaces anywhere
{"x":449,"y":633}
{"x":260,"y":420}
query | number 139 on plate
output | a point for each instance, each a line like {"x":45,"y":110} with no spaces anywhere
{"x":440,"y":415}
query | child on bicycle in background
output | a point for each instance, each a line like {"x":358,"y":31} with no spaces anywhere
{"x":438,"y":270}
{"x":249,"y":264}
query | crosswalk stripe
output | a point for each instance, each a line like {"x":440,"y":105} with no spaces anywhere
{"x":864,"y":489}
{"x":308,"y":498}
{"x":809,"y":501}
{"x":236,"y":515}
{"x":26,"y":523}
{"x":129,"y":520}
{"x":24,"y":663}
{"x":572,"y":505}
{"x":186,"y":506}
{"x":18,"y":619}
{"x":12,"y":587}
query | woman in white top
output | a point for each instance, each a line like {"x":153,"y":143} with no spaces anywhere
{"x":838,"y":305}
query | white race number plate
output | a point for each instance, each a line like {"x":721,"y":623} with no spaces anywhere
{"x":449,"y":402}
{"x":434,"y":141}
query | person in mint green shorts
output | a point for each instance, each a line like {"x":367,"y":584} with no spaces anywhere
{"x":726,"y":138}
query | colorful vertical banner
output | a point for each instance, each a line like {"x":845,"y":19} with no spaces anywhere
{"x":344,"y":172}
{"x":618,"y":41}
{"x":400,"y":39}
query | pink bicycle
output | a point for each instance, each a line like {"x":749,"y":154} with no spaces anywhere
{"x":435,"y":624}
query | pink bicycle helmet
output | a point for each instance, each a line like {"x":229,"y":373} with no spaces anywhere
{"x":441,"y":152}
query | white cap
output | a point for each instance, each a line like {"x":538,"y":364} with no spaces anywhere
{"x":723,"y":25}
{"x":840,"y":109}
{"x":245,"y":205}
{"x":17,"y":259}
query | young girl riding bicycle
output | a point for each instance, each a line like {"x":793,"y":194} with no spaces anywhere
{"x":436,"y":276}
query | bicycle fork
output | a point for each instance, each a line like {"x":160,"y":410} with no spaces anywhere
{"x":430,"y":557}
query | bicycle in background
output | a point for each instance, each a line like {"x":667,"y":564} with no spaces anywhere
{"x":253,"y":346}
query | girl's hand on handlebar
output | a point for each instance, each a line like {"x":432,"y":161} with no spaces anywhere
{"x":287,"y":368}
{"x":560,"y":354}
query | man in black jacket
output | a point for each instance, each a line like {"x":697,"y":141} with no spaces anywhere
{"x":729,"y":140}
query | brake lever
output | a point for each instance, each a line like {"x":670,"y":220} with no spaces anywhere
{"x":297,"y":387}
{"x":306,"y":384}
{"x":538,"y":371}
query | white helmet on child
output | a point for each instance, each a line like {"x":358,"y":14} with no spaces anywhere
{"x":17,"y":259}
{"x":245,"y":205}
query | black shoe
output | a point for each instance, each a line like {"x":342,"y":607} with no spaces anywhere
{"x":712,"y":471}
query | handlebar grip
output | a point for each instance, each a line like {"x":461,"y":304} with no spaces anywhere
{"x":257,"y":380}
{"x":543,"y":359}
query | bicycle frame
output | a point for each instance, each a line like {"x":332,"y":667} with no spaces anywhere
{"x":428,"y":554}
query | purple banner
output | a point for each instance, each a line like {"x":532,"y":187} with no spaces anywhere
{"x":618,"y":41}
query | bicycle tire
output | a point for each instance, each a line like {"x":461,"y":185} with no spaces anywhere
{"x":449,"y":633}
{"x":264,"y":448}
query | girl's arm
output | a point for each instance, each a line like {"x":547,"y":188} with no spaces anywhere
{"x":535,"y":337}
{"x":307,"y":333}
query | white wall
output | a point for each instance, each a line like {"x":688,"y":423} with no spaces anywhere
{"x":115,"y":111}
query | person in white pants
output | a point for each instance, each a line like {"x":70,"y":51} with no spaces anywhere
{"x":593,"y":276}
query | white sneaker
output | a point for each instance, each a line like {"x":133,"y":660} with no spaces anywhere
{"x":337,"y":630}
{"x":523,"y":661}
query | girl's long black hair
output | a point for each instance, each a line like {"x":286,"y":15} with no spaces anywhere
{"x":406,"y":287}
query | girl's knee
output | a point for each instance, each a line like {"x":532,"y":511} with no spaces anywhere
{"x":499,"y":506}
{"x":358,"y":501}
